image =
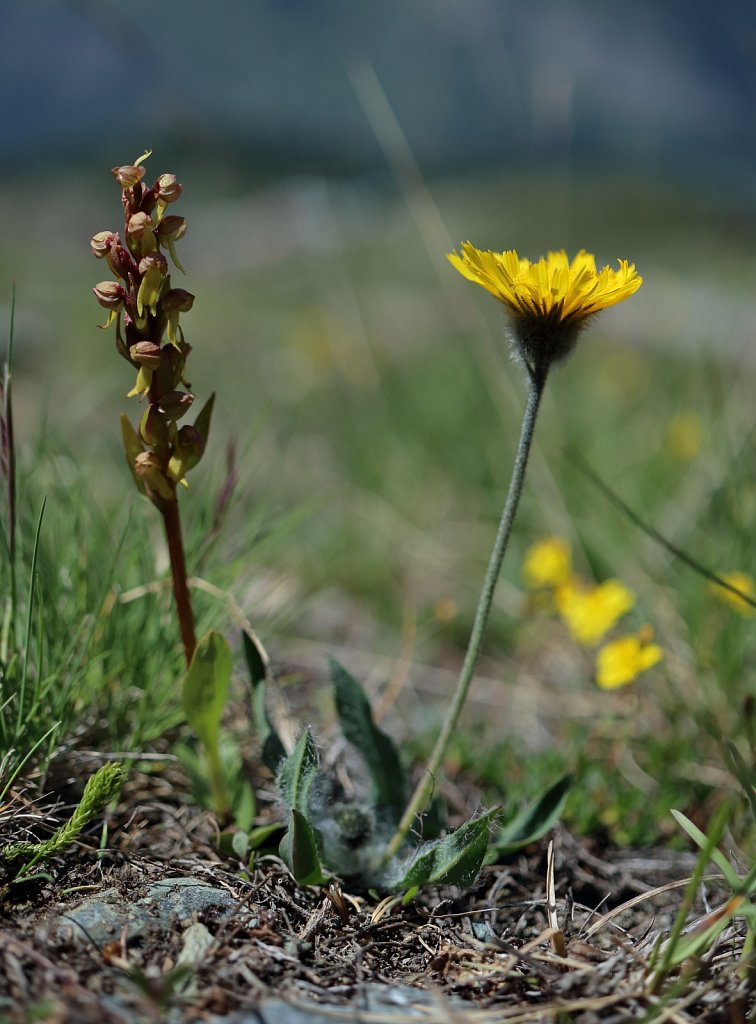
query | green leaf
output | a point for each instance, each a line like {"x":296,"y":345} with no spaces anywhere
{"x":297,"y":773}
{"x":240,"y":844}
{"x":202,"y":423}
{"x":454,"y":860}
{"x":244,"y":805}
{"x":377,"y":749}
{"x":273,"y":750}
{"x":206,"y":687}
{"x":259,"y":836}
{"x":533,"y":821}
{"x":299,"y":851}
{"x":704,"y":841}
{"x":132,"y":447}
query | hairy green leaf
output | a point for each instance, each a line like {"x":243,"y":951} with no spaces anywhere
{"x":381,"y":756}
{"x":454,"y":860}
{"x":299,"y":851}
{"x":297,"y":773}
{"x":272,"y":749}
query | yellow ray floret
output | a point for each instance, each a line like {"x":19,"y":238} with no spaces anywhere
{"x":553,"y":286}
{"x":591,"y":611}
{"x":622,"y":660}
{"x":548,"y":563}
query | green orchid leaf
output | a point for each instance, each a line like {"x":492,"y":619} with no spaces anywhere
{"x":297,"y":773}
{"x":299,"y":851}
{"x":273,"y":750}
{"x":454,"y":860}
{"x":532,"y":822}
{"x":378,"y":750}
{"x":206,"y":687}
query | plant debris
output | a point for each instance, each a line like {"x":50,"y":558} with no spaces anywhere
{"x":158,"y":925}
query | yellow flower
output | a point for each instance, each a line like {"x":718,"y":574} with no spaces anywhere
{"x":549,"y":301}
{"x":742,"y":581}
{"x":548,"y":563}
{"x":620,"y":661}
{"x":590,"y":612}
{"x":684,"y":435}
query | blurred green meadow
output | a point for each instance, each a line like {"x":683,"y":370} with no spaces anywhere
{"x":375,"y":408}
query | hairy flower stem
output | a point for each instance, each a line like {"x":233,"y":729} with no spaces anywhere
{"x":172,"y":521}
{"x":425,"y":787}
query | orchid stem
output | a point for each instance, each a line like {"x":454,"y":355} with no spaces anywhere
{"x":172,"y":521}
{"x":424,"y":788}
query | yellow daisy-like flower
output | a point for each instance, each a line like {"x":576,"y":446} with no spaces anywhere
{"x":684,"y":435}
{"x":547,"y":563}
{"x":590,"y":612}
{"x":621,"y":661}
{"x":549,"y":301}
{"x":743,"y":582}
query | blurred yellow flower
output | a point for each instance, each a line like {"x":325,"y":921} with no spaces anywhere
{"x":549,"y":300}
{"x":547,"y":563}
{"x":445,"y":609}
{"x":591,"y":611}
{"x":684,"y":435}
{"x":743,"y":582}
{"x":621,"y":661}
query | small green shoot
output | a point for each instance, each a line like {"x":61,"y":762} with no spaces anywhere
{"x":101,"y":788}
{"x":204,"y":696}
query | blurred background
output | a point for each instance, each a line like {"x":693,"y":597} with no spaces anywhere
{"x":331,"y":154}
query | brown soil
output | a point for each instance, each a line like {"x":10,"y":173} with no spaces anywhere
{"x":490,"y":954}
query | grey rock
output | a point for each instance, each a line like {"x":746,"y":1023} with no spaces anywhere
{"x":400,"y":1001}
{"x":102,"y":918}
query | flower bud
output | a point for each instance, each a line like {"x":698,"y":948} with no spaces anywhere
{"x":102,"y":243}
{"x":172,"y":227}
{"x":128,"y":175}
{"x":153,"y":429}
{"x":190,"y":447}
{"x":146,"y":353}
{"x":175,"y":404}
{"x":190,"y":439}
{"x":121,"y":262}
{"x":109,"y":294}
{"x":153,"y":268}
{"x":149,"y":468}
{"x":140,"y":233}
{"x":178,"y":299}
{"x":170,"y":230}
{"x":168,"y":188}
{"x":175,"y":301}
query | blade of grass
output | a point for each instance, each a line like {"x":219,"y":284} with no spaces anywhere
{"x":29,"y":613}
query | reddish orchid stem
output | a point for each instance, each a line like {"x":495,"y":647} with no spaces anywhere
{"x":172,"y":521}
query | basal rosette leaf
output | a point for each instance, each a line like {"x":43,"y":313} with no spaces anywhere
{"x":387,"y":776}
{"x":454,"y":860}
